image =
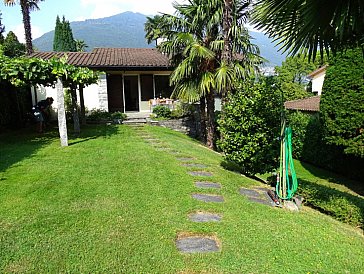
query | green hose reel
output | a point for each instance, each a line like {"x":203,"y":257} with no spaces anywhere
{"x":286,"y":180}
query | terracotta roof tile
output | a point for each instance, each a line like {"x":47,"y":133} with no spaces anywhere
{"x":118,"y":58}
{"x":307,"y":104}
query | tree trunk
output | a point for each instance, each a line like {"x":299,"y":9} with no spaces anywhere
{"x":210,"y":99}
{"x":227,"y":54}
{"x":27,"y":27}
{"x":62,"y":121}
{"x":76,"y":119}
{"x":82,"y":104}
{"x":203,"y":119}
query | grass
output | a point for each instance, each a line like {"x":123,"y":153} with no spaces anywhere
{"x":110,"y":202}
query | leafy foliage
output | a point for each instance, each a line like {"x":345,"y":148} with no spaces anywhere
{"x":309,"y":145}
{"x":250,"y":128}
{"x":12,"y":47}
{"x":342,"y":105}
{"x":302,"y":25}
{"x":162,"y":112}
{"x":342,"y":206}
{"x":291,"y":76}
{"x":99,"y":115}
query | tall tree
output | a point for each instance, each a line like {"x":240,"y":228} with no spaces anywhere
{"x":292,"y":76}
{"x":63,"y":37}
{"x":2,"y":30}
{"x":26,"y":7}
{"x":316,"y":26}
{"x":12,"y":47}
{"x":57,"y":35}
{"x":194,"y":41}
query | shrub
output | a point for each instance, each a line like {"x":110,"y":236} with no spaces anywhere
{"x":310,"y":146}
{"x":343,"y":206}
{"x":118,"y":116}
{"x":183,"y":110}
{"x":98,"y":115}
{"x":342,"y":108}
{"x":162,"y":112}
{"x":299,"y":122}
{"x":250,"y":128}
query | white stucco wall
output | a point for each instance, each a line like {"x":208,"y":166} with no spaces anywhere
{"x":318,"y":82}
{"x":95,"y":96}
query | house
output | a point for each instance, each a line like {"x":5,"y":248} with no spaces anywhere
{"x":308,"y":105}
{"x":317,"y":79}
{"x":132,"y":78}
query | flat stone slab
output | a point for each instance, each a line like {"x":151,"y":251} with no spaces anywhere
{"x":197,"y":244}
{"x":200,"y":173}
{"x":185,"y":159}
{"x":249,"y":192}
{"x":195,"y":165}
{"x":208,"y":198}
{"x":207,"y":185}
{"x":204,"y":217}
{"x":261,"y":201}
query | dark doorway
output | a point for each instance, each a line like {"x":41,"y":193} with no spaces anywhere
{"x":115,"y":93}
{"x":162,"y":87}
{"x":131,"y":92}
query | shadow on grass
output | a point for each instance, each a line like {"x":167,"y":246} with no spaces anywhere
{"x":356,"y":186}
{"x":341,"y":205}
{"x":234,"y":167}
{"x":18,"y":145}
{"x":91,"y":132}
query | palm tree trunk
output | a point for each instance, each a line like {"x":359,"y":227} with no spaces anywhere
{"x":203,"y":119}
{"x":76,"y":119}
{"x":226,"y":55}
{"x":62,"y":121}
{"x":27,"y":27}
{"x":82,"y":104}
{"x":210,"y":99}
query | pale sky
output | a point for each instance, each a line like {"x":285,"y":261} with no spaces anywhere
{"x":44,"y":20}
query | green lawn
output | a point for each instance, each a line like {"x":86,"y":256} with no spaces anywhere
{"x":112,"y":203}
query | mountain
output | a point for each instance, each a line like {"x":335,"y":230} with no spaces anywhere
{"x":126,"y":30}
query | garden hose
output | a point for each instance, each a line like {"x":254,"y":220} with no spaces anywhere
{"x":287,"y":185}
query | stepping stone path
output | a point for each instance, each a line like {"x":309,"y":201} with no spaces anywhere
{"x":197,"y":244}
{"x":200,"y":244}
{"x":208,"y":198}
{"x":185,"y":159}
{"x":257,"y":195}
{"x":204,"y":217}
{"x":207,"y":185}
{"x":195,"y":165}
{"x":200,"y":173}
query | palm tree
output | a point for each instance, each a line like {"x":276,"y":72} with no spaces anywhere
{"x":26,"y":7}
{"x":193,"y":39}
{"x":315,"y":26}
{"x":80,"y":45}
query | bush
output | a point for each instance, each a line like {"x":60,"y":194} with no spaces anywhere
{"x":162,"y":112}
{"x":310,"y":146}
{"x":182,"y":110}
{"x":118,"y":116}
{"x":342,"y":108}
{"x":298,"y":122}
{"x":342,"y":206}
{"x":99,"y":115}
{"x":250,"y":128}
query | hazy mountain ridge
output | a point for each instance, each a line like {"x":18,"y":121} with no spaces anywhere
{"x":127,"y":30}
